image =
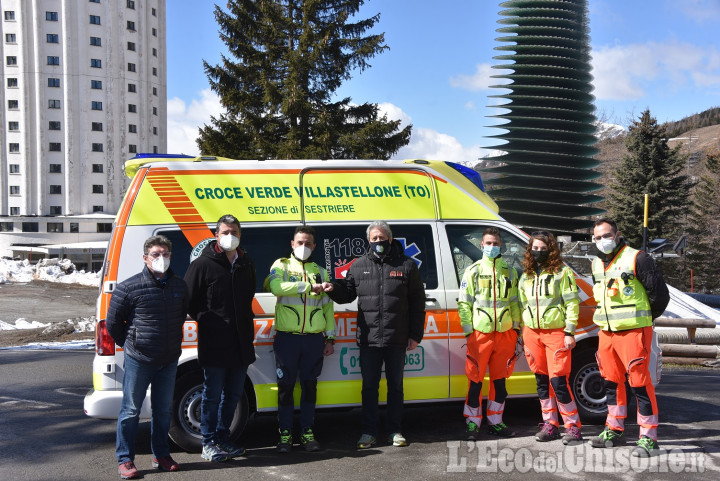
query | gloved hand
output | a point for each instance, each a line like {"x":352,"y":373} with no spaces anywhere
{"x":519,"y":345}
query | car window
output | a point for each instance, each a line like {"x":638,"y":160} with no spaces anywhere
{"x":466,"y":246}
{"x":337,"y":246}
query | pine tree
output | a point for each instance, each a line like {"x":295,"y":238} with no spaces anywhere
{"x":650,"y":167}
{"x":704,"y":228}
{"x":287,"y":59}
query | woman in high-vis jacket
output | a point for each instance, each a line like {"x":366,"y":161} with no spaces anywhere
{"x":550,"y":308}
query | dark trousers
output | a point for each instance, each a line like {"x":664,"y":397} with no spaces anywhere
{"x":297,"y":355}
{"x":371,"y":363}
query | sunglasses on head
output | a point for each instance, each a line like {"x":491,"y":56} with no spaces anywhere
{"x":540,"y":232}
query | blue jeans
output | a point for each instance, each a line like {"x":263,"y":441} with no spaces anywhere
{"x":138,"y":376}
{"x":222,"y":390}
{"x":371,"y":363}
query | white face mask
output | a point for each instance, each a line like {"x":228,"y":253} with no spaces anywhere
{"x":606,"y":246}
{"x":160,"y":265}
{"x":302,"y":253}
{"x":228,"y":242}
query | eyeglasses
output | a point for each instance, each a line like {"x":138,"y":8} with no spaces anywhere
{"x":155,"y":255}
{"x":540,"y":232}
{"x":608,"y":235}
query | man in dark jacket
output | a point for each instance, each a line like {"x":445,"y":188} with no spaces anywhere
{"x":145,"y":317}
{"x":221,"y":282}
{"x":391,"y":320}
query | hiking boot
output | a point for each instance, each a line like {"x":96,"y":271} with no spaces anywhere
{"x":646,"y":447}
{"x":307,"y":439}
{"x":232,"y":450}
{"x":572,"y":436}
{"x":397,"y":439}
{"x":472,"y":431}
{"x":549,"y":432}
{"x":284,"y":445}
{"x":165,"y":463}
{"x":366,"y":441}
{"x":213,"y":452}
{"x":500,"y":430}
{"x":607,"y":439}
{"x":128,"y":471}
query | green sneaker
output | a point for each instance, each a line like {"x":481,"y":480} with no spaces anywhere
{"x":607,"y":439}
{"x":285,"y":443}
{"x":472,"y":431}
{"x":646,"y":448}
{"x":500,"y":430}
{"x":307,"y":439}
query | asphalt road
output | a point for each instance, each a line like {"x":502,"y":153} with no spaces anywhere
{"x":45,"y":436}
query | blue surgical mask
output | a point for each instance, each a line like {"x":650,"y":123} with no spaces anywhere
{"x":491,"y":252}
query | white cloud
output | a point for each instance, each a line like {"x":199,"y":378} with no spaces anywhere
{"x":185,"y":120}
{"x":700,"y":11}
{"x":433,"y":145}
{"x":480,"y":80}
{"x":394,"y":112}
{"x":627,"y":71}
{"x":430,"y":144}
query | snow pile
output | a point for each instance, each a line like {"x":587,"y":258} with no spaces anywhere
{"x":51,"y":270}
{"x":21,"y":324}
{"x":57,"y":346}
{"x":80,"y":324}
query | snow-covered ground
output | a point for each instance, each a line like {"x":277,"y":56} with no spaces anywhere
{"x":50,"y":270}
{"x":79,"y":325}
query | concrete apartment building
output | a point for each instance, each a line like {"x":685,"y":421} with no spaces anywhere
{"x":84,"y":88}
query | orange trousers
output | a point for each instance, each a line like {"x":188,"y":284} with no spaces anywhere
{"x":496,"y":351}
{"x":628,"y":353}
{"x":551,"y":361}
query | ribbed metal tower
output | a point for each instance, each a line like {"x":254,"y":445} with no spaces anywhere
{"x":546,"y":179}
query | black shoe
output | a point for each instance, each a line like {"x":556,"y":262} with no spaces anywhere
{"x":501,"y":430}
{"x":285,"y":443}
{"x":307,"y":439}
{"x":607,"y":439}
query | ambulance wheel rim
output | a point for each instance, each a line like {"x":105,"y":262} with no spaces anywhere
{"x":590,"y":389}
{"x":189,"y":412}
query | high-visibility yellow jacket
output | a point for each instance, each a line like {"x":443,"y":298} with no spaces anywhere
{"x":298,"y":310}
{"x":622,"y":302}
{"x":488,"y":297}
{"x":550,"y":300}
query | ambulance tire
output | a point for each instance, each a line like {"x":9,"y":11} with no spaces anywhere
{"x":588,"y":386}
{"x":185,"y":423}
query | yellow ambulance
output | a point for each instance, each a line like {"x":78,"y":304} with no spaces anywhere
{"x":437,"y":210}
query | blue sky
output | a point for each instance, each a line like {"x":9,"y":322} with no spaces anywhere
{"x":660,"y":54}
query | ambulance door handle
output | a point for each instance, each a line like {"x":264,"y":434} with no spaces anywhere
{"x":430,"y":301}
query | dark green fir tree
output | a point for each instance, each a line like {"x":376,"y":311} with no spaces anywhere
{"x":703,"y":252}
{"x":650,"y":167}
{"x":287,"y":59}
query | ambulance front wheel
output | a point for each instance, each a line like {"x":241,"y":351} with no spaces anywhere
{"x":588,"y":386}
{"x":185,"y":424}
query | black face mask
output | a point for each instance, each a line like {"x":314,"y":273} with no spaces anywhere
{"x":540,"y":256}
{"x":380,"y":247}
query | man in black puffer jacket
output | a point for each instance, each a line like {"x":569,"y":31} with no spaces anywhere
{"x":145,"y":317}
{"x":222,"y":286}
{"x":391,"y":320}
